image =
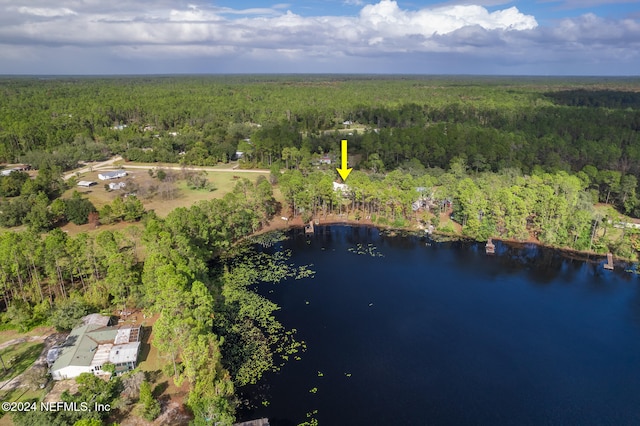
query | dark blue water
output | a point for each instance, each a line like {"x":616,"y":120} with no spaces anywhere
{"x":443,"y":334}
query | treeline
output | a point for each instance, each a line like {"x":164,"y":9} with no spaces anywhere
{"x":194,"y":299}
{"x":36,"y":203}
{"x":38,"y":272}
{"x":597,"y":98}
{"x":554,"y":208}
{"x":27,"y":201}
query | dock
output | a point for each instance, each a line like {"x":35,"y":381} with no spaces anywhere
{"x":490,"y":248}
{"x":609,"y":264}
{"x":310,"y":228}
{"x":259,"y":422}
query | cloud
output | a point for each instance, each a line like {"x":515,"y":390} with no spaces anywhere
{"x":46,"y":12}
{"x":387,"y":17}
{"x":199,"y":24}
{"x":156,"y":30}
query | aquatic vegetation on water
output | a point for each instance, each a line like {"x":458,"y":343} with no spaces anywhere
{"x":369,"y":249}
{"x":268,"y":239}
{"x":253,"y":337}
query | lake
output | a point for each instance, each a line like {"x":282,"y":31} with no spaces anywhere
{"x":401,"y":331}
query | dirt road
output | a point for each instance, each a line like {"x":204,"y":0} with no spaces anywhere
{"x":90,"y":167}
{"x":109,"y":163}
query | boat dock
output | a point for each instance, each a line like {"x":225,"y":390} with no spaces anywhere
{"x":310,"y":228}
{"x":609,"y":264}
{"x":490,"y":248}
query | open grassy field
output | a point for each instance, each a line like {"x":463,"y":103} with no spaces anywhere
{"x":6,"y":335}
{"x":183,"y":196}
{"x":17,"y":358}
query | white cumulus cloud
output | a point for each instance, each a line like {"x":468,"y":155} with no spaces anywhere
{"x":387,"y":16}
{"x":129,"y":31}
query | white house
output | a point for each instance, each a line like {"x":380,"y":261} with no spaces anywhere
{"x":116,"y":185}
{"x":87,"y":183}
{"x":115,"y":174}
{"x":341,"y":187}
{"x":325,"y":160}
{"x":91,"y":345}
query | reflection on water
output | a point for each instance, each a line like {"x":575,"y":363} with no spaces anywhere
{"x":441,"y":333}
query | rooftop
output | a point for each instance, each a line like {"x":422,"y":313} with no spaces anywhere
{"x":124,"y":353}
{"x":94,"y":342}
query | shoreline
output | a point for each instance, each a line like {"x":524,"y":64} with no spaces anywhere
{"x":278,"y":224}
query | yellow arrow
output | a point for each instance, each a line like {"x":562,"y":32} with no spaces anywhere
{"x":344,"y":171}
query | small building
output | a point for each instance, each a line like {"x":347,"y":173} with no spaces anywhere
{"x":424,"y":201}
{"x":87,"y":183}
{"x":325,"y":160}
{"x":91,"y":345}
{"x":116,"y":185}
{"x":341,"y":187}
{"x":15,"y":168}
{"x":115,"y":174}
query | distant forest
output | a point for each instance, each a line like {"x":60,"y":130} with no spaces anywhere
{"x":493,"y":123}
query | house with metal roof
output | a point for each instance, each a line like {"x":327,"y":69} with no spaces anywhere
{"x":115,"y":174}
{"x":91,"y":345}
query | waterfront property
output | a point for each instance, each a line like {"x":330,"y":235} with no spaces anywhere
{"x":93,"y":344}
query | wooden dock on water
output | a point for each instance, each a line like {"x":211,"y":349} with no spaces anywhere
{"x":310,"y":228}
{"x":490,"y":248}
{"x":609,"y":264}
{"x":259,"y":422}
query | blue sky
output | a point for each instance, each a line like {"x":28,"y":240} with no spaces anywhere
{"x":534,"y":37}
{"x":544,"y":10}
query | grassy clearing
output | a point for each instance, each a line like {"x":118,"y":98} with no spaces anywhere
{"x":18,"y":358}
{"x":7,"y":335}
{"x":223,"y":182}
{"x":22,"y":394}
{"x":152,"y":363}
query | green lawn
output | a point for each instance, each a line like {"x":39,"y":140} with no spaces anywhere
{"x":18,"y":358}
